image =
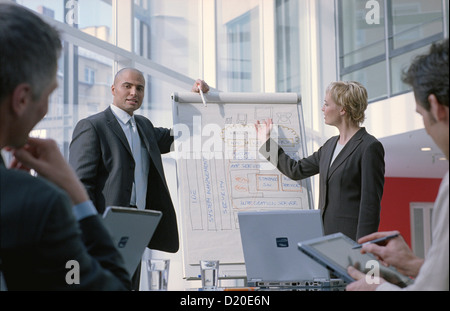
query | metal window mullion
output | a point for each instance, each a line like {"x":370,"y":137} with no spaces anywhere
{"x":445,"y":17}
{"x":388,"y":30}
{"x":416,"y":45}
{"x":283,"y":44}
{"x":363,"y":64}
{"x":340,"y":36}
{"x":262,"y":81}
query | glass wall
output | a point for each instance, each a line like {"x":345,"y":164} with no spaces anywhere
{"x":374,"y":49}
{"x":50,"y":8}
{"x":94,"y":17}
{"x":78,"y":96}
{"x":238,"y":45}
{"x":415,"y":24}
{"x":94,"y":83}
{"x":168,"y":33}
{"x":287,"y":46}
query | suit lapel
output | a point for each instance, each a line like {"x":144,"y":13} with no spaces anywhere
{"x":142,"y":133}
{"x":352,"y":144}
{"x":328,"y":155}
{"x":117,"y":129}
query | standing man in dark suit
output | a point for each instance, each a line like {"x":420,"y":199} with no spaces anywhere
{"x":51,"y":237}
{"x":351,"y":165}
{"x":118,"y":168}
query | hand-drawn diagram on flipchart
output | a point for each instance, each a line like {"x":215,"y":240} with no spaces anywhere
{"x":220,"y":171}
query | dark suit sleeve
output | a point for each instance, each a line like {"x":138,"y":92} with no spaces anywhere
{"x":87,"y":242}
{"x":47,"y":261}
{"x":85,"y":156}
{"x":165,"y":139}
{"x":100,"y":247}
{"x":372,"y":184}
{"x":293,"y":169}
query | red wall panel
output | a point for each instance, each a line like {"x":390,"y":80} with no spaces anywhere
{"x":398,"y":193}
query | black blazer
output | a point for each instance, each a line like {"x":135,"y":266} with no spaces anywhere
{"x":39,"y":235}
{"x":350,"y":190}
{"x":102,"y":158}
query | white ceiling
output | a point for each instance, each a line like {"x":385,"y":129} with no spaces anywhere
{"x":404,"y":158}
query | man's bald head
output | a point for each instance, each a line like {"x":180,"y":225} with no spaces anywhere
{"x":125,"y":70}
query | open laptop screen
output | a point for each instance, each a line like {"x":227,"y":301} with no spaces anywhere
{"x":269,"y":241}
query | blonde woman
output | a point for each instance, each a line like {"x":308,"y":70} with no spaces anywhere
{"x":351,"y":165}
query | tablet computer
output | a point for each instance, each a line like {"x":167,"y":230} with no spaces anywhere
{"x":335,"y":252}
{"x":131,"y":230}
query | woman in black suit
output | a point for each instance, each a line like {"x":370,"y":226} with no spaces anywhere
{"x":351,"y":165}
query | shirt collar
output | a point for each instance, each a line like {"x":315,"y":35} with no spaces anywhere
{"x":120,"y":114}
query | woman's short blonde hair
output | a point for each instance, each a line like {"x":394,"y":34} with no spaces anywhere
{"x":352,"y":96}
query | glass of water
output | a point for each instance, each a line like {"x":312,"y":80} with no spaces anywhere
{"x":209,"y":274}
{"x":158,"y":274}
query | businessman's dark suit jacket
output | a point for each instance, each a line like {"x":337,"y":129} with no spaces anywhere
{"x":102,"y":158}
{"x":39,"y":235}
{"x":350,"y":190}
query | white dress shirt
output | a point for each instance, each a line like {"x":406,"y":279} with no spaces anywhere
{"x":433,"y":275}
{"x":139,"y":190}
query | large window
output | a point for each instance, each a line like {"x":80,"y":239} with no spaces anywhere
{"x":238,"y":45}
{"x":167,"y":32}
{"x":379,"y":38}
{"x":121,"y":34}
{"x":83,"y":93}
{"x":287,"y":46}
{"x":50,"y":8}
{"x":93,"y":17}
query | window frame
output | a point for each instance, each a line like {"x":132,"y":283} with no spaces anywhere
{"x":390,"y":52}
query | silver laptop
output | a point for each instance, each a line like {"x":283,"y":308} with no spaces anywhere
{"x":269,"y":241}
{"x":131,"y":230}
